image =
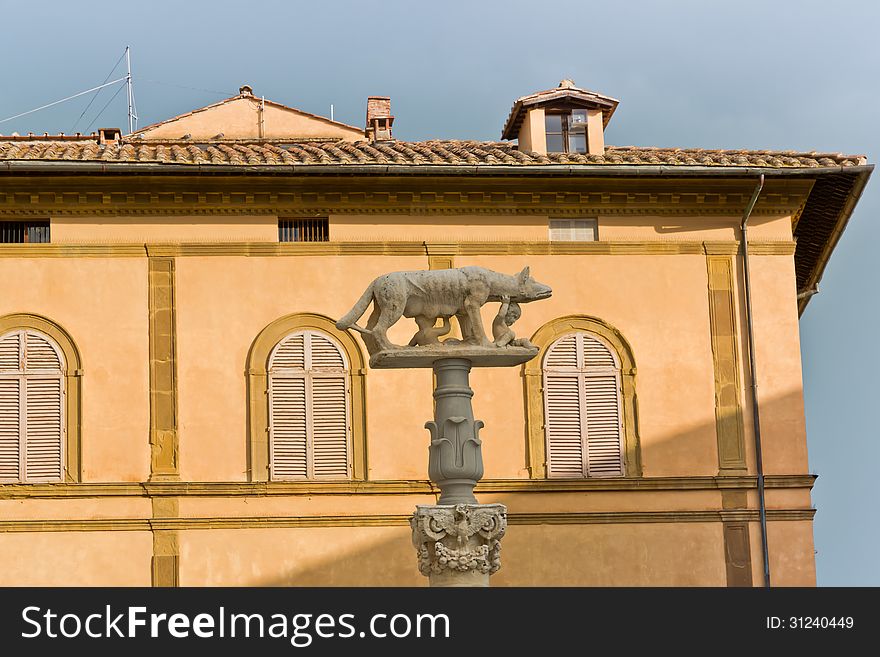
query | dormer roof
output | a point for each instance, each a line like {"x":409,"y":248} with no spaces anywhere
{"x":565,"y":94}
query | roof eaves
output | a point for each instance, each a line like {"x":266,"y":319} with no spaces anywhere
{"x":587,"y":170}
{"x":809,"y":277}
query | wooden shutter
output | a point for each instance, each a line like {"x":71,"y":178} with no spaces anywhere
{"x":325,"y":355}
{"x":562,"y":354}
{"x":309,"y":430}
{"x":565,"y":449}
{"x":40,"y":353}
{"x":31,"y":408}
{"x":10,"y":352}
{"x":43,"y":428}
{"x":290,"y":353}
{"x":287,"y":406}
{"x":604,"y":446}
{"x":10,"y":403}
{"x":10,"y":429}
{"x":582,"y":408}
{"x":330,"y":427}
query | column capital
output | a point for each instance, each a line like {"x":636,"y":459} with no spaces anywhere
{"x":459,"y":544}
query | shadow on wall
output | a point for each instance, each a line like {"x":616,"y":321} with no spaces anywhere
{"x":550,"y":554}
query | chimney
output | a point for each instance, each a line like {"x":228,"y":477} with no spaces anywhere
{"x":379,"y":118}
{"x":109,"y":135}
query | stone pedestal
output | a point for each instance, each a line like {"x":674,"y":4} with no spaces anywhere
{"x":459,"y":544}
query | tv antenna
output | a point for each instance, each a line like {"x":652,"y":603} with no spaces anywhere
{"x":132,"y":111}
{"x":127,"y":79}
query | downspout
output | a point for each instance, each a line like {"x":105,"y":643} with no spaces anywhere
{"x":806,"y":294}
{"x":756,"y":415}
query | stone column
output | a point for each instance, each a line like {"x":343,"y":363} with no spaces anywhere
{"x":455,"y":459}
{"x":457,"y":539}
{"x":459,"y":544}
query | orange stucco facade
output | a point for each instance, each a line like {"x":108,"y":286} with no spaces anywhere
{"x":657,"y":300}
{"x":165,"y":281}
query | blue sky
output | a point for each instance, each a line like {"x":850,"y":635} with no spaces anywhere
{"x":783,"y":75}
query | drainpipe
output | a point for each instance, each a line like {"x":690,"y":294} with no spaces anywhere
{"x":756,"y":416}
{"x":806,"y":294}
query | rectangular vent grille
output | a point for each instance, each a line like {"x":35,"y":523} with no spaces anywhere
{"x":316,"y":229}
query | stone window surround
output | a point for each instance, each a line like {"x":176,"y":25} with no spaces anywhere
{"x":258,"y":398}
{"x":532,"y":372}
{"x":72,"y":381}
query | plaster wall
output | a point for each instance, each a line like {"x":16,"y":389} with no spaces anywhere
{"x":658,"y":554}
{"x":240,"y":119}
{"x":112,"y":558}
{"x":658,"y":302}
{"x":134,"y":229}
{"x":390,"y":227}
{"x":102,"y":304}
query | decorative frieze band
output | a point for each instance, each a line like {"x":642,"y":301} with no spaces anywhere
{"x":308,"y":203}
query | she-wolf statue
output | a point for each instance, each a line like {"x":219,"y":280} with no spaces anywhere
{"x":439,"y":293}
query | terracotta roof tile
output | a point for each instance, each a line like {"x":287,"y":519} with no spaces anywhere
{"x":424,"y":153}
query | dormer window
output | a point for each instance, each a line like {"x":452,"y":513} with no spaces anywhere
{"x":566,"y":119}
{"x":566,"y":131}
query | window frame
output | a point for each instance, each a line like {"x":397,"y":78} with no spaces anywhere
{"x":303,"y":229}
{"x":567,"y":129}
{"x":544,"y":337}
{"x":40,"y":229}
{"x":23,"y":376}
{"x":308,"y":375}
{"x":582,"y":375}
{"x":592,"y":223}
{"x":257,"y":377}
{"x":72,"y":374}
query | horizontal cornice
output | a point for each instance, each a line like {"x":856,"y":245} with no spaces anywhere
{"x":150,"y":195}
{"x":392,"y":520}
{"x":402,"y":248}
{"x":414,"y":487}
{"x":22,"y":168}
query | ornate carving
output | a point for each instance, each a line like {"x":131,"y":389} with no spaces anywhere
{"x":454,"y":452}
{"x":439,"y":294}
{"x":508,"y":313}
{"x":460,"y":538}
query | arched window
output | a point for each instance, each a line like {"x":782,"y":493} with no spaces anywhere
{"x":316,"y":373}
{"x":309,"y":408}
{"x":582,"y":408}
{"x":581,"y":404}
{"x":32,"y":422}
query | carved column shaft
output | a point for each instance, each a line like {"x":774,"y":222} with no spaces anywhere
{"x":455,"y":459}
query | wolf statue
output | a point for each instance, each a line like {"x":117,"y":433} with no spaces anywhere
{"x":437,"y":294}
